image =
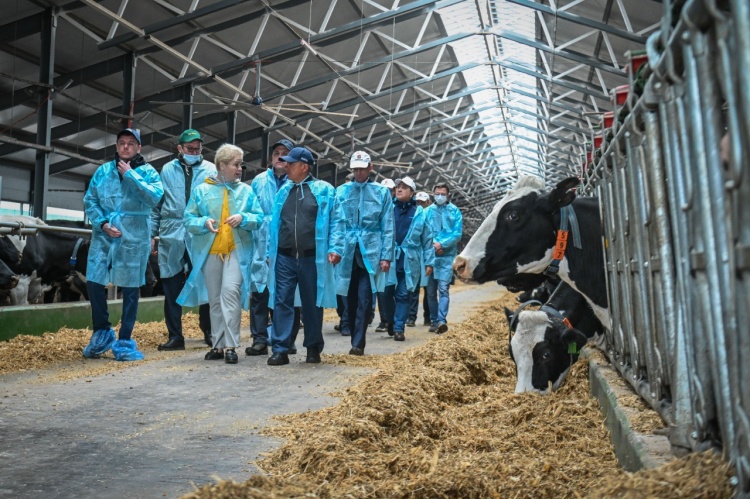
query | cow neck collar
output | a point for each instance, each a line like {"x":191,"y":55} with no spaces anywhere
{"x":567,"y":217}
{"x":572,"y":346}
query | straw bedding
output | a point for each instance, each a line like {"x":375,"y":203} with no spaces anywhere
{"x":441,"y":420}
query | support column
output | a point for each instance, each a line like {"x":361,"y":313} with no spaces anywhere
{"x":44,"y":115}
{"x":264,"y":150}
{"x":231,"y":127}
{"x":128,"y":89}
{"x":187,"y":110}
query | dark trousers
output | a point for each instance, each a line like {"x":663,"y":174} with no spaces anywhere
{"x":100,"y":311}
{"x":359,"y":305}
{"x":259,"y":313}
{"x":387,"y":303}
{"x":342,"y":309}
{"x":414,"y":304}
{"x":172,"y":287}
{"x":291,"y":272}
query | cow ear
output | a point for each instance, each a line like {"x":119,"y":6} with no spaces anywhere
{"x":563,"y":194}
{"x":574,"y":339}
{"x":509,"y":315}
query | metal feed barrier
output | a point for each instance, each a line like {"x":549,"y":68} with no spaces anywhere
{"x":674,"y":186}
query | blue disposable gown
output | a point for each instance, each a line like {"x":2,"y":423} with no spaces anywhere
{"x":325,"y":195}
{"x":264,"y":187}
{"x":206,"y":202}
{"x":166,"y":218}
{"x":364,"y":217}
{"x":417,"y":250}
{"x":447,"y":225}
{"x":127,"y":205}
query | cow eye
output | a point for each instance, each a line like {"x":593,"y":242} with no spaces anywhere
{"x":546,"y":355}
{"x":511,"y":216}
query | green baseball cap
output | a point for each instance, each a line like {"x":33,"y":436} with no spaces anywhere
{"x":190,"y":135}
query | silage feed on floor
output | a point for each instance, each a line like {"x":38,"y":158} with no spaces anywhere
{"x":441,"y":420}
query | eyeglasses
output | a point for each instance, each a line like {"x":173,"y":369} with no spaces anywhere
{"x":192,"y":150}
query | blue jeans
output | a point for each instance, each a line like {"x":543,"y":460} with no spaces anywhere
{"x":403,"y":302}
{"x":438,"y":308}
{"x":359,"y":306}
{"x":100,"y":312}
{"x":414,"y":304}
{"x":289,"y":273}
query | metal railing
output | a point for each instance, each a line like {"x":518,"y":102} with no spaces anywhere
{"x":674,"y":188}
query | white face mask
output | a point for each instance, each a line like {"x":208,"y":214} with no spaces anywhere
{"x":192,"y":159}
{"x":441,"y":199}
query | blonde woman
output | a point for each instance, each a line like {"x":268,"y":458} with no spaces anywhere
{"x":220,"y":215}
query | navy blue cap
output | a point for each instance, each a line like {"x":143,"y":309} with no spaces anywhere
{"x":283,"y":142}
{"x":299,"y":154}
{"x":131,"y":131}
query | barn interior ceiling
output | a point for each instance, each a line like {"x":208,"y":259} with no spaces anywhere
{"x":472,"y":93}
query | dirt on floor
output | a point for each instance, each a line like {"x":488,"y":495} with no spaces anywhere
{"x":441,"y":420}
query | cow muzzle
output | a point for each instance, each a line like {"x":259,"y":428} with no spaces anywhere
{"x":13,"y":282}
{"x":461,"y":268}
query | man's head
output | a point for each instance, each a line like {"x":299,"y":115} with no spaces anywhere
{"x":128,"y":143}
{"x":360,"y":166}
{"x":441,"y":193}
{"x":299,"y":161}
{"x":277,"y":150}
{"x":423,"y":199}
{"x":190,"y":146}
{"x":405,"y":189}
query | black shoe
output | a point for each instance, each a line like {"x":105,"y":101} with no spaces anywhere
{"x":427,"y":322}
{"x":257,"y":348}
{"x":292,"y":350}
{"x":442,"y":328}
{"x":411,"y":323}
{"x":278,"y":359}
{"x":356,"y":351}
{"x":230,"y":357}
{"x":399,"y":336}
{"x":337,"y":327}
{"x":174,"y":343}
{"x":382,"y":327}
{"x":433,"y":328}
{"x":346,"y":332}
{"x":214,"y":354}
{"x":390,"y":329}
{"x":313,"y":356}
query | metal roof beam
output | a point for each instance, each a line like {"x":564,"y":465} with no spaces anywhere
{"x":560,"y":81}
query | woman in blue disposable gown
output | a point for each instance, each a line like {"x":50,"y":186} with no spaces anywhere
{"x":221,"y":214}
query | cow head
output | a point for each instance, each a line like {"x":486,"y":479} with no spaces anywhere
{"x":517,"y":237}
{"x":544,"y":349}
{"x":8,"y":278}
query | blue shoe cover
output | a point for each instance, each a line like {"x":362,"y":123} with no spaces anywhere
{"x":126,"y":350}
{"x":100,"y":342}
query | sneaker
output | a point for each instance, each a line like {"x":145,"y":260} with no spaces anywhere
{"x":230,"y":356}
{"x":442,"y":328}
{"x":382,"y":327}
{"x":278,"y":359}
{"x":399,"y":336}
{"x":214,"y":354}
{"x":411,"y":323}
{"x":346,"y":332}
{"x":433,"y":328}
{"x":313,"y":356}
{"x":101,"y":341}
{"x":257,"y":348}
{"x":356,"y":351}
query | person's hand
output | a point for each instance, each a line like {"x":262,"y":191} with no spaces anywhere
{"x":439,"y":252}
{"x":123,"y":166}
{"x":210,"y":223}
{"x":438,"y":247}
{"x":334,"y":258}
{"x":234,"y":220}
{"x":385,"y":265}
{"x":111,"y":231}
{"x":428,"y":270}
{"x":153,"y":246}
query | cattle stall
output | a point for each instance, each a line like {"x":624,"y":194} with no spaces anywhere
{"x":673,"y":181}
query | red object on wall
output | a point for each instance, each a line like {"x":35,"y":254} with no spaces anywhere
{"x":621,"y":94}
{"x":608,"y":119}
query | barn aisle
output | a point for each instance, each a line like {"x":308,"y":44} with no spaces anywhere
{"x":152,"y":429}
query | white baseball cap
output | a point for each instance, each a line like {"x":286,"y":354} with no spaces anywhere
{"x":422,"y":196}
{"x":408,"y":181}
{"x":388,"y":183}
{"x":359,"y":159}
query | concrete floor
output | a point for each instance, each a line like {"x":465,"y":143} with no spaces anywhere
{"x":156,"y":428}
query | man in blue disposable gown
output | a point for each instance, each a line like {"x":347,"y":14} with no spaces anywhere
{"x":363,"y":244}
{"x":118,"y":202}
{"x":299,"y":256}
{"x":447,"y":225}
{"x":179,"y":178}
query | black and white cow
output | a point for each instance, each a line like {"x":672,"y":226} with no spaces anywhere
{"x":540,"y":293}
{"x":547,"y":342}
{"x":8,"y":278}
{"x":520,"y":235}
